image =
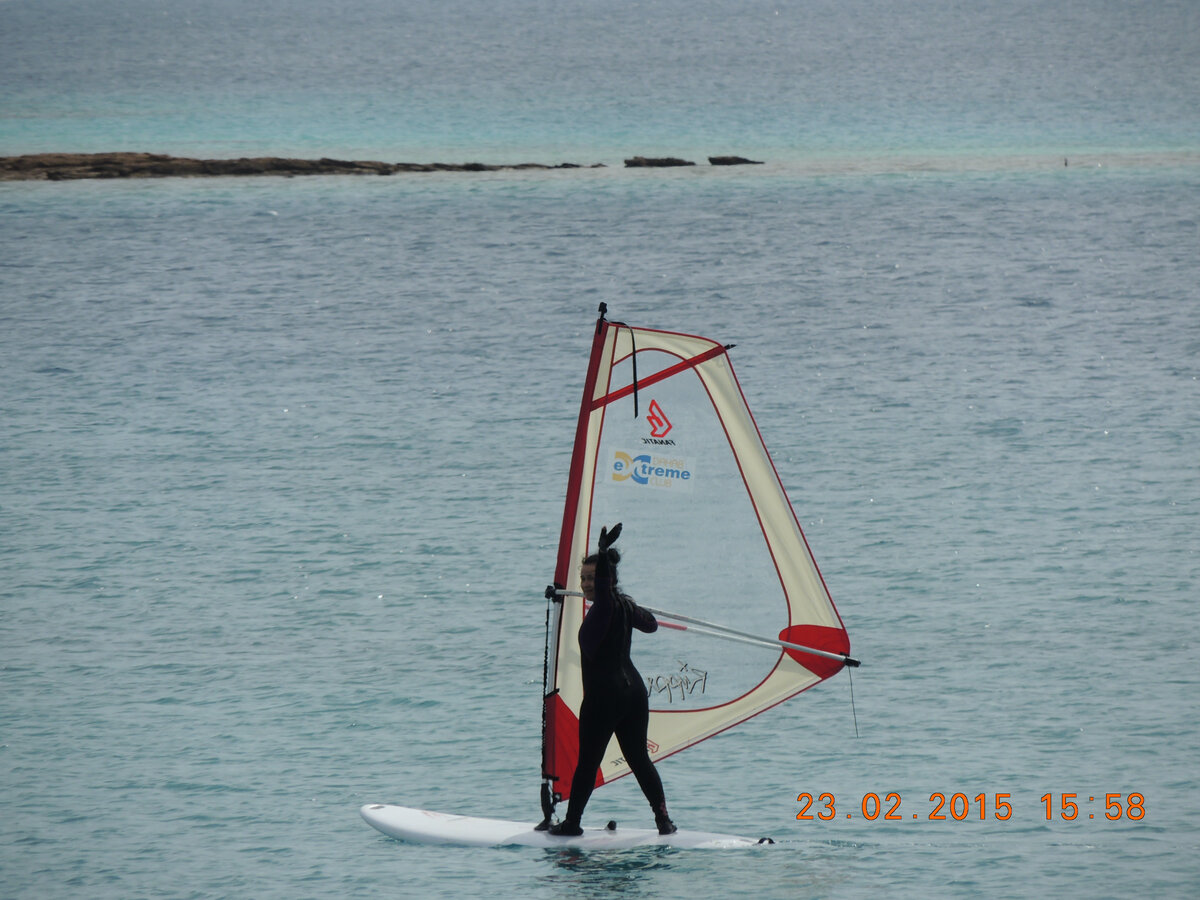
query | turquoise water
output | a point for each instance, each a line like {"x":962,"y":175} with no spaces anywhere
{"x":539,"y":81}
{"x":282,"y":459}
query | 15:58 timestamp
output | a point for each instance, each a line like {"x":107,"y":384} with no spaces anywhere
{"x":1116,"y":806}
{"x":960,"y":805}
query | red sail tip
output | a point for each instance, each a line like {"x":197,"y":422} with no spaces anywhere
{"x":819,"y":637}
{"x":562,"y":746}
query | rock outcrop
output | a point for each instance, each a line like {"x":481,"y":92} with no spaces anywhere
{"x":71,"y":166}
{"x":67,"y":166}
{"x":733,"y":161}
{"x":640,"y":162}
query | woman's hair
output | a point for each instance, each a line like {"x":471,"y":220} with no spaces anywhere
{"x":614,"y":559}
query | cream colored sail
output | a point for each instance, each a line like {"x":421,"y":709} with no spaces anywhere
{"x":666,"y":444}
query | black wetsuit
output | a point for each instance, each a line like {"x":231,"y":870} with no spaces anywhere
{"x":614,"y":695}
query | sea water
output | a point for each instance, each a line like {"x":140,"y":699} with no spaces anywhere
{"x":282,"y":460}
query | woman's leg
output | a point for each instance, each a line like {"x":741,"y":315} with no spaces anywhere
{"x":595,"y":731}
{"x":631,"y":735}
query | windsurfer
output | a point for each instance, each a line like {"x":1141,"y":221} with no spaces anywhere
{"x":614,"y":694}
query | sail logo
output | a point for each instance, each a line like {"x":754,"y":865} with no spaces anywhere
{"x":660,"y":425}
{"x":651,"y":471}
{"x":621,"y":761}
{"x":678,"y":686}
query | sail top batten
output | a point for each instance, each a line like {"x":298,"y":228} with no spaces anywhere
{"x":645,"y":382}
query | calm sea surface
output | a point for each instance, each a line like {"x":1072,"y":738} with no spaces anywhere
{"x":282,"y":460}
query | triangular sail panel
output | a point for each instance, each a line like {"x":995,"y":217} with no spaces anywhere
{"x":709,"y":533}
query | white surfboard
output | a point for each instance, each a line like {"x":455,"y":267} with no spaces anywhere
{"x":424,"y":827}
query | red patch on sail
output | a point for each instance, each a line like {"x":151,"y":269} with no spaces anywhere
{"x":819,"y":637}
{"x":562,"y":746}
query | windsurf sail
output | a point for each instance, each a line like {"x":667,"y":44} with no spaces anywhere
{"x":666,"y":444}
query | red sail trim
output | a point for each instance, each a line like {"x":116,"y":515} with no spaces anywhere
{"x":563,"y":750}
{"x":562,"y":745}
{"x":575,"y":478}
{"x":819,"y":637}
{"x":659,"y":376}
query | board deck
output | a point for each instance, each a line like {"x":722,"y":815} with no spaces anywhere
{"x":424,"y":827}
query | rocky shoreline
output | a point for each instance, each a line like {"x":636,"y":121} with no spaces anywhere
{"x":75,"y":166}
